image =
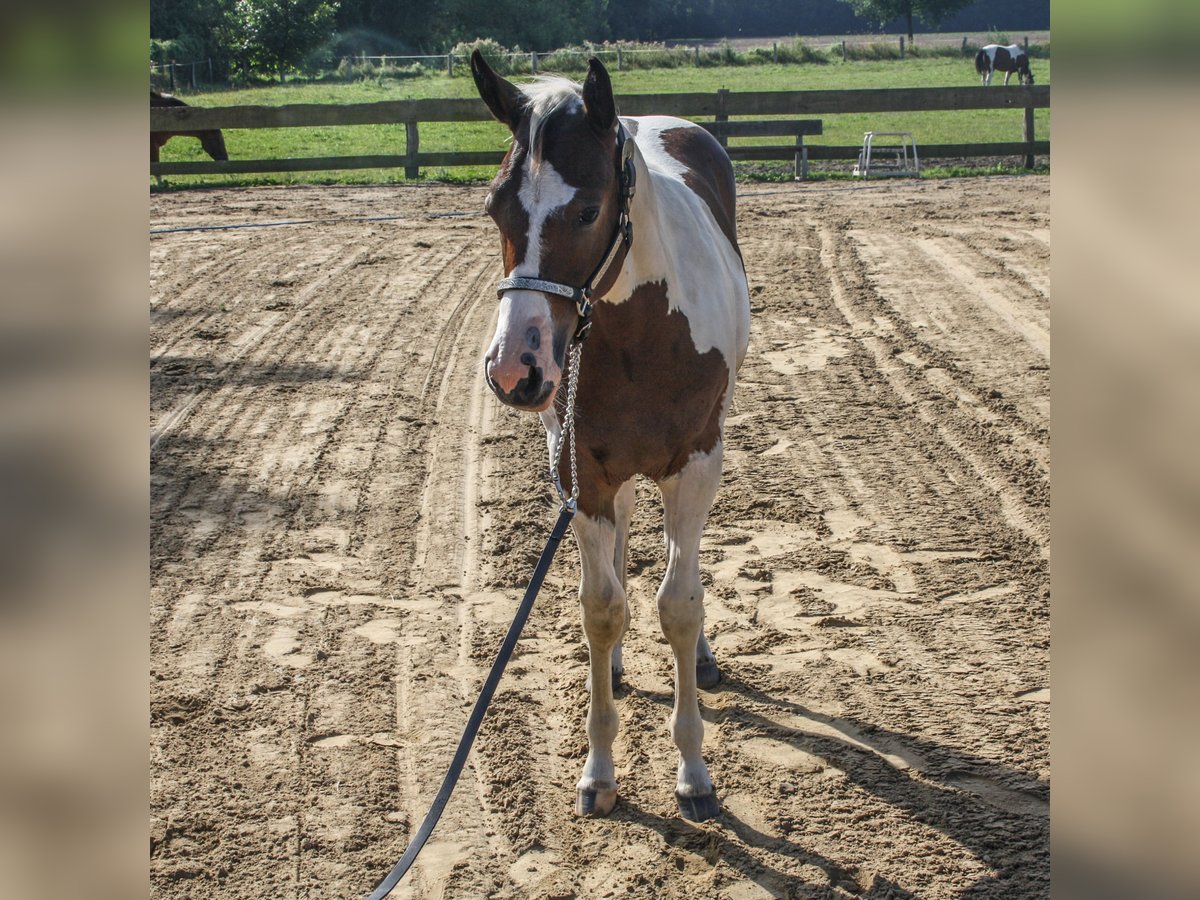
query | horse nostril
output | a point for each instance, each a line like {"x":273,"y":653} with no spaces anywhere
{"x":527,"y":359}
{"x":534,"y":337}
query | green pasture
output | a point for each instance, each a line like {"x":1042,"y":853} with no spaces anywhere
{"x":966,"y":126}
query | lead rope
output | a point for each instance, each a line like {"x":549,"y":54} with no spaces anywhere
{"x":567,"y":432}
{"x":565,"y":514}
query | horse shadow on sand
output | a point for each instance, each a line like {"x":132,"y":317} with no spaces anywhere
{"x":997,"y":814}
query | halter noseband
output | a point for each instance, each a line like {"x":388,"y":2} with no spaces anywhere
{"x":622,"y":237}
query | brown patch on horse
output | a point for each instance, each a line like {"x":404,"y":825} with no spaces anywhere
{"x":647,"y":399}
{"x":505,"y":208}
{"x":211,"y":138}
{"x":709,"y":174}
{"x":581,"y":158}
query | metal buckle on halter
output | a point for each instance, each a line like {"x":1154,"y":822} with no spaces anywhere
{"x":584,"y":307}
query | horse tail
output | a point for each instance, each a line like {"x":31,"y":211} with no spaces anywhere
{"x":981,"y":63}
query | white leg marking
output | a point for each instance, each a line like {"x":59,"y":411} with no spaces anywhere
{"x":624,"y":504}
{"x":602,"y":599}
{"x":687,"y":498}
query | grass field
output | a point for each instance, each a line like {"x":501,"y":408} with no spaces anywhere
{"x":928,"y":127}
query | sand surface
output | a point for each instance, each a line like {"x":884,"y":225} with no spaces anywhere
{"x":343,"y":520}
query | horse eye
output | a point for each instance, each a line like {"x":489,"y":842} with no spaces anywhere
{"x":589,"y":215}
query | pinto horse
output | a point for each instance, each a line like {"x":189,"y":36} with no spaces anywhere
{"x":1010,"y":59}
{"x":212,"y":140}
{"x":621,"y":230}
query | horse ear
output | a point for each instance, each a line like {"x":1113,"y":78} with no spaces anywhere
{"x":598,"y":100}
{"x":502,"y":97}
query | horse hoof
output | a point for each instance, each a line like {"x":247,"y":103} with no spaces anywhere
{"x":698,"y":809}
{"x":591,"y":802}
{"x":707,"y":673}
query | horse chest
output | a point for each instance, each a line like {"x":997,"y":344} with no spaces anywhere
{"x":648,"y":399}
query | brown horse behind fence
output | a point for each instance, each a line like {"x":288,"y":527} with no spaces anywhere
{"x":211,"y":139}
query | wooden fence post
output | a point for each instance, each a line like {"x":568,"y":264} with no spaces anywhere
{"x":775,"y":53}
{"x":450,"y":65}
{"x":721,"y":115}
{"x":843,"y":51}
{"x":697,"y":54}
{"x":172,"y":70}
{"x":412,"y":144}
{"x":902,"y":46}
{"x":620,"y":64}
{"x":964,"y":46}
{"x":195,"y":84}
{"x":1028,"y":137}
{"x":533,"y":61}
{"x":1026,"y":45}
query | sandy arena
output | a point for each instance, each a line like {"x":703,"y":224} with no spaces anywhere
{"x":343,"y":519}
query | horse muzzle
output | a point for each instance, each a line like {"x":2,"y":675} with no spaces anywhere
{"x":525,"y":388}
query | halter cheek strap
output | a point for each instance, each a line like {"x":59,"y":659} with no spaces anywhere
{"x":622,"y":239}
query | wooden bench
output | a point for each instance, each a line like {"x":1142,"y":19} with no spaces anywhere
{"x":798,"y":128}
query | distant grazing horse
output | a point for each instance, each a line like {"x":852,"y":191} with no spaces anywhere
{"x":212,"y":140}
{"x":1010,"y":59}
{"x":636,"y":214}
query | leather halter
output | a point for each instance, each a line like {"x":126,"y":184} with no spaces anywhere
{"x":622,"y":238}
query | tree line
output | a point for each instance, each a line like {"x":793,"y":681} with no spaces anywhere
{"x":283,"y":35}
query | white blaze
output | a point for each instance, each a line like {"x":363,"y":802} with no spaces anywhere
{"x":542,"y":193}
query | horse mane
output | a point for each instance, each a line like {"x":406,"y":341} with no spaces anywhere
{"x":157,"y":98}
{"x":547,"y":96}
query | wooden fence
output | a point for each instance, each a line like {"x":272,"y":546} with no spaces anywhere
{"x":718,"y":106}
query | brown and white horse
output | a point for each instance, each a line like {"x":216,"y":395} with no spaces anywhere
{"x":1009,"y":60}
{"x":211,"y":139}
{"x":669,"y":324}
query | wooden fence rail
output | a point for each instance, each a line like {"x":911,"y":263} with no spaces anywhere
{"x":718,"y":105}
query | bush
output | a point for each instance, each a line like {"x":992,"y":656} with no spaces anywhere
{"x":794,"y":53}
{"x":568,"y":59}
{"x":185,"y":48}
{"x":942,"y":51}
{"x":872,"y":51}
{"x":498,"y":57}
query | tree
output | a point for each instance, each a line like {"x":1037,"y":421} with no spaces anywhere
{"x":931,"y":12}
{"x":278,"y":35}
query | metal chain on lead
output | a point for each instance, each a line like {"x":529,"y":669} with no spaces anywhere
{"x":567,"y":432}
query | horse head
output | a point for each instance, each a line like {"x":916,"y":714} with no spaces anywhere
{"x":213,"y":143}
{"x":557,"y":203}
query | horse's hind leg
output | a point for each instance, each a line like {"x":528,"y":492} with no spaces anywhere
{"x":687,"y":498}
{"x":602,"y":599}
{"x":708,"y":674}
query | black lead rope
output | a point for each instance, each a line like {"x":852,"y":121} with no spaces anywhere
{"x":485,"y":696}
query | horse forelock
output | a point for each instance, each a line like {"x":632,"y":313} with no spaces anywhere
{"x":547,"y":97}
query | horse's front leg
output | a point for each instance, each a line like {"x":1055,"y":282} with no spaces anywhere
{"x":623,"y":505}
{"x":602,"y":599}
{"x":687,"y":498}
